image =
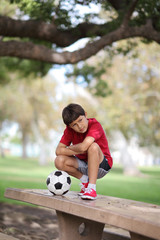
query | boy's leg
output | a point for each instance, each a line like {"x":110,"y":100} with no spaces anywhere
{"x":95,"y":157}
{"x":69,"y":165}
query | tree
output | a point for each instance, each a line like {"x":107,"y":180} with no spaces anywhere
{"x":133,"y":107}
{"x":31,"y":105}
{"x":41,"y":30}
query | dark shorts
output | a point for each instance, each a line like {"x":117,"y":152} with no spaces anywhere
{"x":104,"y":164}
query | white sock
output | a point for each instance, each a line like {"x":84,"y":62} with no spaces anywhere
{"x":93,"y":186}
{"x":84,"y":179}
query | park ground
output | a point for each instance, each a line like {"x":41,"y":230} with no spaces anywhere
{"x":28,"y":222}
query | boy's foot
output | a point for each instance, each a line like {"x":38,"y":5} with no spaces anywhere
{"x":83,"y":187}
{"x":89,"y":194}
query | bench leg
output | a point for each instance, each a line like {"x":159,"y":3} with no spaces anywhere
{"x":135,"y":236}
{"x":76,"y":228}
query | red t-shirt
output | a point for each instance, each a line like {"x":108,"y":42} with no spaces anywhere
{"x":94,"y":130}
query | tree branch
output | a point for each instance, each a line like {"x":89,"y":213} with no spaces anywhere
{"x":29,"y":50}
{"x":119,"y":5}
{"x":128,"y":14}
{"x":48,"y":32}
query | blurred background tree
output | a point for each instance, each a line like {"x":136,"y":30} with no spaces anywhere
{"x":113,"y":48}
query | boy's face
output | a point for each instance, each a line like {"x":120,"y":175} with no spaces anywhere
{"x":80,"y":125}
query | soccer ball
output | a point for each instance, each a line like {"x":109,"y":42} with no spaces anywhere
{"x":58,"y":182}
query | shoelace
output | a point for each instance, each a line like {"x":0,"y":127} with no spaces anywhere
{"x":88,"y":190}
{"x":82,"y":186}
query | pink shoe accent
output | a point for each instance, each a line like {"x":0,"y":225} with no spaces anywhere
{"x":83,"y":187}
{"x":89,"y":194}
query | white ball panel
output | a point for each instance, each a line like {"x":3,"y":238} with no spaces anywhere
{"x":55,"y":179}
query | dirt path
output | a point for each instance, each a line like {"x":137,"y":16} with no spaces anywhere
{"x":28,"y":223}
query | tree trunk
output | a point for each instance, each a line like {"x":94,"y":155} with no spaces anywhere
{"x":1,"y":150}
{"x":126,"y":159}
{"x":2,"y":154}
{"x":24,"y":144}
{"x":129,"y":165}
{"x":41,"y":143}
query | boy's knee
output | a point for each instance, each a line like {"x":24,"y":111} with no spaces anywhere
{"x":93,"y":147}
{"x":59,"y":162}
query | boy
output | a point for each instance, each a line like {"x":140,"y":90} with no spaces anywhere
{"x":88,"y":158}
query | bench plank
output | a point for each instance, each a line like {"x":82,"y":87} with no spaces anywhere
{"x":141,"y":219}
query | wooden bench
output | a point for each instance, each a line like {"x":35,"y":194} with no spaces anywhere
{"x":81,"y":219}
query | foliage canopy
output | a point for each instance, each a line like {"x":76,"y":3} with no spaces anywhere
{"x":42,"y":29}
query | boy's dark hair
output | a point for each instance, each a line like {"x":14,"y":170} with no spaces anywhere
{"x":71,"y":113}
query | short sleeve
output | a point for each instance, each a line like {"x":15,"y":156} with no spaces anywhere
{"x":95,"y":131}
{"x":67,"y":137}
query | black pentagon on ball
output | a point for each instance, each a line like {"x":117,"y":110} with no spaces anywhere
{"x":58,"y":173}
{"x":68,"y":180}
{"x":48,"y":181}
{"x":58,"y":185}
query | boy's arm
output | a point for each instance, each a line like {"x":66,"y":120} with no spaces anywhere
{"x":62,"y":149}
{"x":82,"y":147}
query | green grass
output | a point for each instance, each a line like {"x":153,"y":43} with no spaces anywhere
{"x":26,"y":173}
